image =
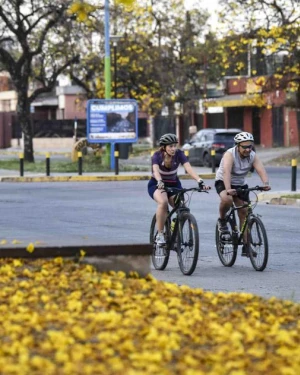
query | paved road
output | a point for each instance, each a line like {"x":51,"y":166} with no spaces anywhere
{"x":120,"y":212}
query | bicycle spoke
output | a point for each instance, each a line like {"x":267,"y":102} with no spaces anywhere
{"x":258,"y":244}
{"x":226,"y":248}
{"x":160,"y":255}
{"x":188,"y":244}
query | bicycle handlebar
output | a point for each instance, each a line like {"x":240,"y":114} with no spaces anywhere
{"x":182,"y":191}
{"x":255,"y":188}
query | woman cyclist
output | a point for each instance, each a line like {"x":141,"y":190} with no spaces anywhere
{"x":165,"y":163}
{"x":234,"y":167}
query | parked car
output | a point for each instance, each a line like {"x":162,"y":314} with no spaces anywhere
{"x":205,"y":140}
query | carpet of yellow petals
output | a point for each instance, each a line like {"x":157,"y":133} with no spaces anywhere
{"x":60,"y":317}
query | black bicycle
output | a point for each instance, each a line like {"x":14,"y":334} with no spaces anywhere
{"x":181,"y":234}
{"x":257,"y":247}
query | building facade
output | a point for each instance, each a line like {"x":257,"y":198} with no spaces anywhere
{"x":268,"y":115}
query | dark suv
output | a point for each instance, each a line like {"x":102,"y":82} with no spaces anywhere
{"x":201,"y":144}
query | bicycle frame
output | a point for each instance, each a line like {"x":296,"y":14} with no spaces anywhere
{"x":238,"y":233}
{"x":251,"y":234}
{"x":179,"y":208}
{"x":183,"y":238}
{"x":178,"y":211}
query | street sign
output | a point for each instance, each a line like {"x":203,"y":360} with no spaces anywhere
{"x":112,"y":121}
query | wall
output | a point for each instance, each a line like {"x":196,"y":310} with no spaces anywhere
{"x":45,"y":143}
{"x":291,"y":127}
{"x":236,"y":85}
{"x":5,"y":129}
{"x":266,"y":134}
{"x":248,"y":120}
{"x":74,"y":107}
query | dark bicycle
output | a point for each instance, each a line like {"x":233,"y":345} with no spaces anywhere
{"x":181,"y":234}
{"x":257,"y":242}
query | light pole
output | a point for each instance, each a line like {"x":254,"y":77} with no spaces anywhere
{"x":107,"y":52}
{"x":205,"y":95}
{"x":115,"y":39}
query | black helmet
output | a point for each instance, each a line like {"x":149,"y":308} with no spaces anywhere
{"x":168,"y":139}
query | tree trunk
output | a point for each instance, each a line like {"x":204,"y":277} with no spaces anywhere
{"x":28,"y":143}
{"x":23,"y":111}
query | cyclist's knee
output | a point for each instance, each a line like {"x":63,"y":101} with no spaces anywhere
{"x":163,"y":204}
{"x":226,"y":200}
{"x":242,"y":212}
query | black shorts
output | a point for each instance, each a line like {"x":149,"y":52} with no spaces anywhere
{"x":152,"y":186}
{"x":219,"y":185}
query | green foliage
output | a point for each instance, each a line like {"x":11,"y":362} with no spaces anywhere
{"x":159,"y":55}
{"x":36,"y":46}
{"x":262,"y":38}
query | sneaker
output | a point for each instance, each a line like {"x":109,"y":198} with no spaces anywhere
{"x":222,"y":224}
{"x":160,"y":239}
{"x":244,"y":251}
{"x":246,"y":254}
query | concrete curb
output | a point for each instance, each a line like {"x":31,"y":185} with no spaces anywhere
{"x":90,"y":178}
{"x":285,"y":201}
{"x":277,"y":198}
{"x":105,"y":258}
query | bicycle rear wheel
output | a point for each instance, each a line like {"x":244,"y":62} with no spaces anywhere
{"x":258,"y":247}
{"x":160,"y":255}
{"x":187,"y":243}
{"x":226,"y":247}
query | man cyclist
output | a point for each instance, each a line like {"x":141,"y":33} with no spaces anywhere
{"x":165,"y":163}
{"x":235,"y":165}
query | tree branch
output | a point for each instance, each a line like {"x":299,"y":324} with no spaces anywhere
{"x":52,"y":80}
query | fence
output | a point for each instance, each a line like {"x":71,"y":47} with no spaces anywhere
{"x":42,"y":128}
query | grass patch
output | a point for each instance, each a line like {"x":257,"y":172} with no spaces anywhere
{"x":91,"y":163}
{"x":293,"y":196}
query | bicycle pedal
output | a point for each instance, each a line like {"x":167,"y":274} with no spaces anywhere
{"x":225,"y":237}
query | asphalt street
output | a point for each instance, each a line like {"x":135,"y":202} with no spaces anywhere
{"x":93,"y":213}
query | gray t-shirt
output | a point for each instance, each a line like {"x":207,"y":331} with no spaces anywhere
{"x":240,"y":167}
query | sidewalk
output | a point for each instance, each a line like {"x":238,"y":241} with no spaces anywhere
{"x":265,"y":155}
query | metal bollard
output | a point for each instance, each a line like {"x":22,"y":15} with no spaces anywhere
{"x":213,"y":161}
{"x":21,"y":156}
{"x":186,"y":153}
{"x":116,"y":153}
{"x":79,"y":163}
{"x":47,"y":164}
{"x":294,"y":174}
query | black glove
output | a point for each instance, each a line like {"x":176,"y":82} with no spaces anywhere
{"x":200,"y":183}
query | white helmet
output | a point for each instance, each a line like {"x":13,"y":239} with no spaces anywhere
{"x":242,"y":137}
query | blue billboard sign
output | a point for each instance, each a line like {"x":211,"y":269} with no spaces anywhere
{"x":112,"y":121}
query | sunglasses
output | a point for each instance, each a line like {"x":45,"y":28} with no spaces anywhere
{"x":247,"y":147}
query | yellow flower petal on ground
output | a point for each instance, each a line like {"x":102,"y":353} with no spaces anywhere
{"x":15,"y":242}
{"x":30,"y":247}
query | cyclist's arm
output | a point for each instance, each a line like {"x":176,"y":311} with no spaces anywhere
{"x":227,"y":167}
{"x":260,"y":169}
{"x":187,"y":166}
{"x":156,"y":173}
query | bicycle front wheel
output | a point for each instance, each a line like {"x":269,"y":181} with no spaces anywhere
{"x":187,"y":243}
{"x":160,"y":255}
{"x":226,"y":246}
{"x":258,"y":247}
